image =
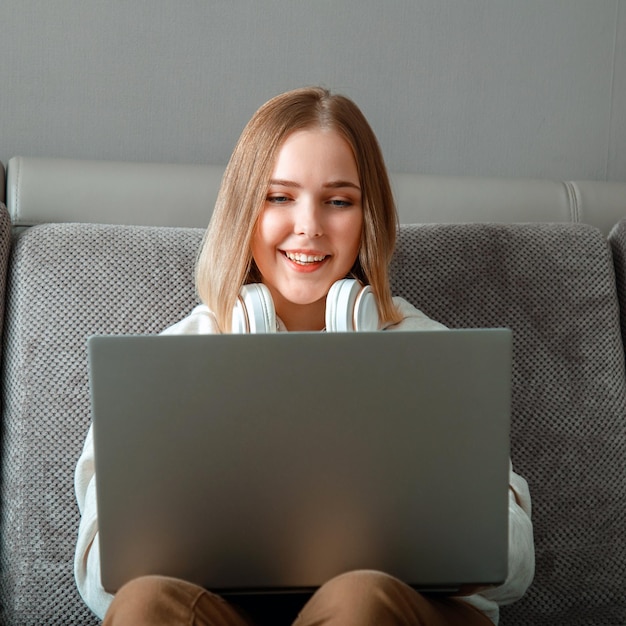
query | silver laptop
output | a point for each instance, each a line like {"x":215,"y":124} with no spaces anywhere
{"x":259,"y":463}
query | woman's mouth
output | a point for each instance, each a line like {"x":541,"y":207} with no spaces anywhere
{"x":305,"y":259}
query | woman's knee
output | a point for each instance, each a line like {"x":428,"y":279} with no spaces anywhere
{"x":371,"y":597}
{"x":152,"y":600}
{"x":148,"y":598}
{"x":361,"y":583}
{"x":357,"y":597}
{"x":146,"y":586}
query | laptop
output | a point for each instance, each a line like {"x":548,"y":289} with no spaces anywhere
{"x":265,"y":463}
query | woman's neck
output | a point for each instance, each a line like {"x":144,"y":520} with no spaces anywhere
{"x":298,"y":317}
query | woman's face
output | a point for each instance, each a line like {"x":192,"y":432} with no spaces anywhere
{"x":309,"y":232}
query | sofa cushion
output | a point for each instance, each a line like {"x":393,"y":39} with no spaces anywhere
{"x":553,"y":285}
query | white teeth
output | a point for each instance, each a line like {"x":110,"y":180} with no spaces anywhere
{"x":304,"y":258}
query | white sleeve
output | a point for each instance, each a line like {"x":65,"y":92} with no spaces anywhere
{"x":521,"y":545}
{"x":87,"y":554}
{"x":412,"y":318}
{"x":201,"y":321}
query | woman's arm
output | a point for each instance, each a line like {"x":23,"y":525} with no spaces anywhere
{"x":87,"y":553}
{"x":521,"y":545}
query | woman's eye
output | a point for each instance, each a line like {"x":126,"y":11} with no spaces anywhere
{"x":277,"y":199}
{"x":340,"y":203}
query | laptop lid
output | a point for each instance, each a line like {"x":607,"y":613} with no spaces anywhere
{"x":275,"y":462}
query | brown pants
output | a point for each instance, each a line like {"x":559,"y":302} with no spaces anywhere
{"x":357,"y":598}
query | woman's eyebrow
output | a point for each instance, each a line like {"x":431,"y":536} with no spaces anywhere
{"x":335,"y":184}
{"x":284,"y":183}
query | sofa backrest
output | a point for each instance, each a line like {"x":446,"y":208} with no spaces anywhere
{"x":552,"y":284}
{"x":152,"y":194}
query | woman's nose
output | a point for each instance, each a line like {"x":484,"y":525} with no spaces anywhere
{"x":308,"y":220}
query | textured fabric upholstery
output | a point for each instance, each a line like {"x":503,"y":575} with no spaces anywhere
{"x":553,"y":284}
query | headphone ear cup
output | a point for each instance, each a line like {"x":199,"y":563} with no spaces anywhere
{"x":351,"y":306}
{"x":365,"y":315}
{"x":254,"y":310}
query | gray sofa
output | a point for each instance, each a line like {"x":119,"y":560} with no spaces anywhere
{"x":109,"y":248}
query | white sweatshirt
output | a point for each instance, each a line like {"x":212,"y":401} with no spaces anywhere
{"x":202,"y":321}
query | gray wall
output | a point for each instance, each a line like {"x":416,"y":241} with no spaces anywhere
{"x":466,"y":87}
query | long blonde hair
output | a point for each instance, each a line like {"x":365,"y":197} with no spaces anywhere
{"x":225,"y":260}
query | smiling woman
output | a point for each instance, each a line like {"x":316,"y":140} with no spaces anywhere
{"x":301,"y":239}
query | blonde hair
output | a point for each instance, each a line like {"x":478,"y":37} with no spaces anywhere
{"x":225,"y":260}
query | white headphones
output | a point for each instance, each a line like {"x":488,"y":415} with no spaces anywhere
{"x":350,"y":306}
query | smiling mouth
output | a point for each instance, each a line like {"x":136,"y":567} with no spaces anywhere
{"x":305,"y":259}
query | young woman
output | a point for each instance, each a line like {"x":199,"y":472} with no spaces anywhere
{"x":305,"y":203}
